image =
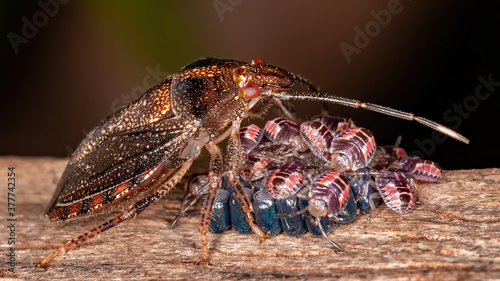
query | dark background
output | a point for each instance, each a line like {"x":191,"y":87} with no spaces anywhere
{"x":90,"y":57}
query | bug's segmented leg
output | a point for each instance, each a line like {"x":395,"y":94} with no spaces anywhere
{"x":188,"y":204}
{"x":166,"y":184}
{"x":234,"y":161}
{"x":215,"y":177}
{"x":233,"y":156}
{"x":323,"y":233}
{"x":246,"y":206}
{"x":374,"y":211}
{"x":373,"y":107}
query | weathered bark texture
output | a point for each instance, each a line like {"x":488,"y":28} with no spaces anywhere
{"x":455,"y":234}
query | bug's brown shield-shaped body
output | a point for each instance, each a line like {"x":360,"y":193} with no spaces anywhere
{"x":121,"y":156}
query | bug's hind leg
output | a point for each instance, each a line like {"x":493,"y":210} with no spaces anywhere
{"x":166,"y":185}
{"x":215,"y":177}
{"x":373,"y":207}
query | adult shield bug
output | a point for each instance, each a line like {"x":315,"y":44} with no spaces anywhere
{"x":140,"y":152}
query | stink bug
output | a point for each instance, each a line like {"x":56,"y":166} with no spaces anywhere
{"x":143,"y":150}
{"x":286,"y":181}
{"x":250,"y":136}
{"x":397,"y":190}
{"x":353,"y":149}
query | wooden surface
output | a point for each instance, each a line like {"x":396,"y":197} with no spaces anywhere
{"x":455,"y":234}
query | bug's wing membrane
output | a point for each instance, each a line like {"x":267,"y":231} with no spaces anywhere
{"x":154,"y":107}
{"x":115,"y":157}
{"x":117,"y":167}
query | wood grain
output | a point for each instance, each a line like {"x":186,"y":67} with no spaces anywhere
{"x":454,"y":235}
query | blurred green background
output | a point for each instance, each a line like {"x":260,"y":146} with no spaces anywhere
{"x":81,"y":60}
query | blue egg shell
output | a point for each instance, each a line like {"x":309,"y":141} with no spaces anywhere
{"x":364,"y":192}
{"x":220,"y":220}
{"x":349,"y":213}
{"x":293,"y":226}
{"x":238,"y":219}
{"x":265,"y":212}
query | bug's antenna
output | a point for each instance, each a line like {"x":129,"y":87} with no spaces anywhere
{"x":312,"y":88}
{"x":320,"y":97}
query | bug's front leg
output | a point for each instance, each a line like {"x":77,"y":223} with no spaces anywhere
{"x":215,"y":177}
{"x":233,"y":161}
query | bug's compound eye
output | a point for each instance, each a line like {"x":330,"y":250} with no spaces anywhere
{"x":257,"y":61}
{"x":251,"y":91}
